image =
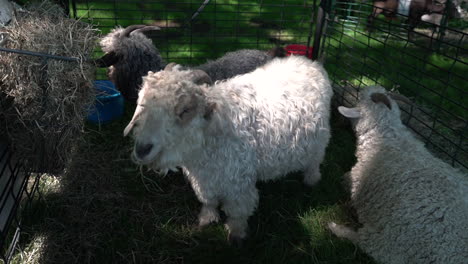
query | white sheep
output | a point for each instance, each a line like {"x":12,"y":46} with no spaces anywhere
{"x":412,"y":206}
{"x":257,"y":126}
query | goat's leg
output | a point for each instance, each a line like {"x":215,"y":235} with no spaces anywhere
{"x":312,"y":174}
{"x":208,"y":197}
{"x":413,"y":22}
{"x":238,"y":208}
{"x":377,"y":10}
{"x":343,"y":231}
{"x":208,"y":214}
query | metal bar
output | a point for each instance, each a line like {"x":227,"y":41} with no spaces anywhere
{"x":319,"y":30}
{"x":39,"y":54}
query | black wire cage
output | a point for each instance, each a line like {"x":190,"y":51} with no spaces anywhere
{"x":18,"y":187}
{"x":19,"y":178}
{"x":194,"y":31}
{"x":427,"y":64}
{"x":429,"y":67}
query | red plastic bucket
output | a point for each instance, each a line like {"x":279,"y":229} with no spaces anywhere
{"x":299,"y":50}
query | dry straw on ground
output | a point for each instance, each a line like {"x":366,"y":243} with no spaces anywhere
{"x":43,"y":103}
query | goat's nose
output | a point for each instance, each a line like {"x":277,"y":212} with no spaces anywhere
{"x":142,"y":150}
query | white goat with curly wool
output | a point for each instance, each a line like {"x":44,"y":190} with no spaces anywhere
{"x":256,"y":126}
{"x":412,"y":206}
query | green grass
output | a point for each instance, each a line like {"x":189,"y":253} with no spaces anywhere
{"x":222,"y":26}
{"x":106,"y":210}
{"x":432,"y":74}
{"x":356,"y":58}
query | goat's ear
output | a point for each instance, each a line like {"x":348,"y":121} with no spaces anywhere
{"x":399,"y":97}
{"x":209,"y":109}
{"x":200,"y":77}
{"x":381,"y":98}
{"x":128,"y":128}
{"x":132,"y":123}
{"x":349,"y":112}
{"x":186,"y":108}
{"x":170,"y":66}
{"x":107,"y":60}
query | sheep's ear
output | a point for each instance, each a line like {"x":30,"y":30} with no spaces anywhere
{"x":201,"y":77}
{"x":349,"y":112}
{"x":107,"y":60}
{"x":381,"y":98}
{"x":135,"y":117}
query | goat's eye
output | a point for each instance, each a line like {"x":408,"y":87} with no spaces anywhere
{"x":184,"y":111}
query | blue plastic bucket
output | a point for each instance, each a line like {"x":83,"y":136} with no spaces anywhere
{"x":109,"y":103}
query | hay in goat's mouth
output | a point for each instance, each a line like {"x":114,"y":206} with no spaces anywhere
{"x":43,"y":103}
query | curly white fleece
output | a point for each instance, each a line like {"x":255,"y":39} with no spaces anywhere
{"x":412,"y":206}
{"x":266,"y":123}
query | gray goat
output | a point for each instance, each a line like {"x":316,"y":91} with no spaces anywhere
{"x":130,"y":55}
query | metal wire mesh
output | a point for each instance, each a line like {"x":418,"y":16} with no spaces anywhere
{"x":18,"y":183}
{"x":17,"y":188}
{"x":220,"y":27}
{"x":429,"y":66}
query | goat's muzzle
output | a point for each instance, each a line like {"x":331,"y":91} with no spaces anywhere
{"x":142,"y":150}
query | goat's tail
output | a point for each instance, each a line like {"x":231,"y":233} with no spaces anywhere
{"x":277,"y":52}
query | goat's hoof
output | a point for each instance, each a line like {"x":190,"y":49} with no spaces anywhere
{"x":202,"y":223}
{"x":236,"y":241}
{"x":310,"y":182}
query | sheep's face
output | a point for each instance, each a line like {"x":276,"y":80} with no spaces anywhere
{"x":168,"y":122}
{"x":375,"y":109}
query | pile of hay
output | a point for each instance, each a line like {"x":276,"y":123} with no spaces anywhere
{"x":43,"y":104}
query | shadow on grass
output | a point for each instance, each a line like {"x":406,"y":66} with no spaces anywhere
{"x":221,"y":27}
{"x":436,"y":79}
{"x":106,"y":213}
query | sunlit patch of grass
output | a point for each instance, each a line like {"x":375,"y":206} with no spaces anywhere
{"x":31,"y":253}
